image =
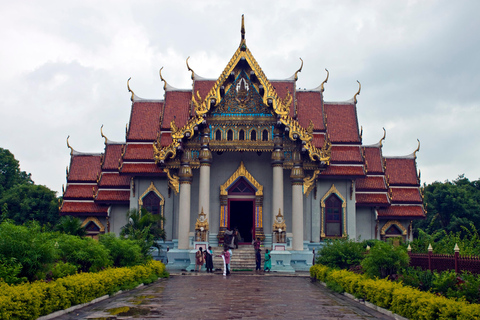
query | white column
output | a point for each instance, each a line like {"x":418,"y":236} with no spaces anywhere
{"x":277,"y":199}
{"x":297,"y":217}
{"x":204,"y":191}
{"x":184,"y":216}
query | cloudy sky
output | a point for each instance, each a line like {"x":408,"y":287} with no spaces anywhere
{"x":64,"y":67}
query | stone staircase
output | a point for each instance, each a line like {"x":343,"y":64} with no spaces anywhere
{"x":243,"y":258}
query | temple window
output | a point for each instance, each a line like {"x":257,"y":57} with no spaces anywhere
{"x":253,"y":135}
{"x":333,"y":216}
{"x":218,"y":135}
{"x":151,"y":203}
{"x":265,"y":135}
{"x":241,"y":135}
{"x":230,"y":135}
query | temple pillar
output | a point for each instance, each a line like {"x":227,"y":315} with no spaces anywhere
{"x":205,"y":164}
{"x":297,"y":201}
{"x":185,"y":177}
{"x":277,"y":167}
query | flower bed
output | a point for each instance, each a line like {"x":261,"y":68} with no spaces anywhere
{"x":32,"y":300}
{"x":402,"y":300}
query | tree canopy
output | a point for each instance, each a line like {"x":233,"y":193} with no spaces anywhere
{"x":20,"y":199}
{"x":451,"y":206}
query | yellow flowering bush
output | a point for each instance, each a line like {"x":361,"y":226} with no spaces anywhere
{"x":403,"y":300}
{"x":32,"y":300}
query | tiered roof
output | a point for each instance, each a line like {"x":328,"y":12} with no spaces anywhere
{"x":96,"y":181}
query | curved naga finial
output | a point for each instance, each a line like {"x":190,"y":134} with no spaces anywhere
{"x":161,"y":78}
{"x":299,"y":70}
{"x":101,"y":132}
{"x":324,"y":81}
{"x":418,"y":149}
{"x":190,"y":69}
{"x":242,"y":29}
{"x":383,"y":138}
{"x":69,"y":146}
{"x":130,"y":90}
{"x":356,"y":94}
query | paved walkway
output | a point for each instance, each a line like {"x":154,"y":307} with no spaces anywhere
{"x":239,"y":296}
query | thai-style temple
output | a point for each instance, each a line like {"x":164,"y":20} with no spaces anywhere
{"x":247,"y":152}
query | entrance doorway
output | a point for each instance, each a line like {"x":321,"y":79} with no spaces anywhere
{"x":241,"y":217}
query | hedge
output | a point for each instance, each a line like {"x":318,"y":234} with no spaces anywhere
{"x":32,"y":300}
{"x":402,"y":300}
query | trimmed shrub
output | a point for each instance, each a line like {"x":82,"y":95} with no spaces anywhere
{"x":385,"y":260}
{"x":341,"y":254}
{"x":123,"y":252}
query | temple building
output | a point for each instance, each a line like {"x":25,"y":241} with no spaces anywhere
{"x":247,"y":152}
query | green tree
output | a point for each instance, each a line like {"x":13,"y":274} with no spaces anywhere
{"x":71,"y":225}
{"x":144,"y":227}
{"x":341,"y":253}
{"x":10,"y":174}
{"x":384,"y":260}
{"x":25,"y":202}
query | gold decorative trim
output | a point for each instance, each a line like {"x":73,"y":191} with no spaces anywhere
{"x":324,"y":81}
{"x":173,"y":181}
{"x":130,"y":90}
{"x":103,"y":136}
{"x":299,"y":70}
{"x":189,"y":69}
{"x":418,"y":149}
{"x":391,"y":223}
{"x":241,"y":172}
{"x":71,"y":149}
{"x":383,"y":138}
{"x":358,"y":92}
{"x":333,"y":190}
{"x":309,"y":183}
{"x":96,"y":221}
{"x":150,"y":188}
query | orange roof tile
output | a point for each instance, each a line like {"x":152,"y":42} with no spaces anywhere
{"x":83,"y":208}
{"x":84,"y":168}
{"x":114,"y":179}
{"x":371,"y":184}
{"x":401,"y":172}
{"x":113,"y":196}
{"x":144,"y":120}
{"x":373,"y":157}
{"x":344,"y":171}
{"x":138,"y":152}
{"x":113,"y":152}
{"x":141,"y":168}
{"x":406,"y":195}
{"x":342,"y":125}
{"x":309,"y":106}
{"x":344,"y":154}
{"x":402,"y":212}
{"x":177,"y":106}
{"x":282,"y":87}
{"x":372,"y":199}
{"x":79,"y":191}
{"x":318,"y":140}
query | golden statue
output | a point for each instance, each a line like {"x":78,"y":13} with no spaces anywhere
{"x":201,"y":227}
{"x":279,"y":228}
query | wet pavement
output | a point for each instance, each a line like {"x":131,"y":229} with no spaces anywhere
{"x":239,"y":296}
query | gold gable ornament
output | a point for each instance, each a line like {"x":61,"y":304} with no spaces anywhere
{"x":279,"y":228}
{"x":201,"y":227}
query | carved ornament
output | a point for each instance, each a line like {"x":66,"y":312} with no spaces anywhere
{"x":241,"y":172}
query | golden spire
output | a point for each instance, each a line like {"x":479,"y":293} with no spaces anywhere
{"x":243,"y":44}
{"x":69,"y":146}
{"x":418,"y":149}
{"x":383,"y":138}
{"x":189,"y":69}
{"x":101,"y":132}
{"x":324,"y":81}
{"x":358,"y":92}
{"x":161,"y":78}
{"x":299,"y":70}
{"x":130,"y":90}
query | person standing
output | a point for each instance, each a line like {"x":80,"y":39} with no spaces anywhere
{"x":226,"y":259}
{"x":256,"y":244}
{"x":230,"y":252}
{"x":258,"y":260}
{"x":199,"y":259}
{"x":209,"y":259}
{"x":268,"y":263}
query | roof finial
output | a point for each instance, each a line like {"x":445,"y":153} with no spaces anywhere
{"x":356,"y":94}
{"x":130,"y":90}
{"x":69,"y":146}
{"x":189,"y":69}
{"x":361,"y":132}
{"x":325,"y":81}
{"x":242,"y":30}
{"x":161,"y":78}
{"x":418,"y":149}
{"x":299,"y":70}
{"x":383,"y":138}
{"x":101,"y":132}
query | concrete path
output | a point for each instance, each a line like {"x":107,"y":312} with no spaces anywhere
{"x":239,"y":296}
